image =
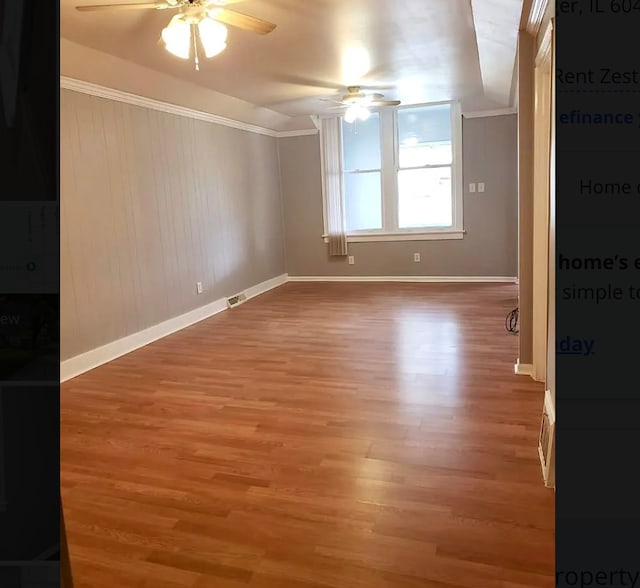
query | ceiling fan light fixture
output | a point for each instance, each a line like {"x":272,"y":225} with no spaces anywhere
{"x":213,"y":36}
{"x":351,"y":114}
{"x":356,"y":112}
{"x":177,"y":37}
{"x":364,"y":114}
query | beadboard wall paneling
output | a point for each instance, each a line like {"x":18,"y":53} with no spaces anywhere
{"x":152,"y":203}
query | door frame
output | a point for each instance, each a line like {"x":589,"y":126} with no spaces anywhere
{"x":543,"y":81}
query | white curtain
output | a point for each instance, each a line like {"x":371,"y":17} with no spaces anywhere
{"x":332,"y":185}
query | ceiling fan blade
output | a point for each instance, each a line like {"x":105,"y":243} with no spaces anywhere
{"x":242,"y":21}
{"x":139,"y":5}
{"x":223,"y":3}
{"x":384,"y":103}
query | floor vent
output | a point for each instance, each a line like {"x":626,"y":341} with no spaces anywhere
{"x":546,"y":442}
{"x":236,"y":300}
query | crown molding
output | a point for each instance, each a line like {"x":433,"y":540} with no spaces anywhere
{"x":536,"y":14}
{"x":484,"y":113}
{"x":120,"y":96}
{"x":300,"y":133}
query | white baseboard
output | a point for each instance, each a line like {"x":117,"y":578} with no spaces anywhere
{"x":419,"y":279}
{"x":94,"y":358}
{"x":263,"y":287}
{"x":89,"y":360}
{"x":523,"y":369}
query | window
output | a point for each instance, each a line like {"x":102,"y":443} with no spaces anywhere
{"x":425,"y":157}
{"x":362,"y":175}
{"x":401,"y":174}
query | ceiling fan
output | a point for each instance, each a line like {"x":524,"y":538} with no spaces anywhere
{"x":205,"y":19}
{"x":358,"y":103}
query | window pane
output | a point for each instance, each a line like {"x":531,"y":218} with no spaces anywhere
{"x":425,"y":198}
{"x":363,"y":201}
{"x":361,"y":144}
{"x":424,"y":136}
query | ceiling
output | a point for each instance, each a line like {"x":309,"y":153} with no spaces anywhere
{"x":418,"y":50}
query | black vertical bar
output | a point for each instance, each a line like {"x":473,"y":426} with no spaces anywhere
{"x":29,"y":294}
{"x":597,"y":277}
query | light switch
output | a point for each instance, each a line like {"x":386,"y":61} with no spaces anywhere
{"x":481,"y":187}
{"x":472,"y":188}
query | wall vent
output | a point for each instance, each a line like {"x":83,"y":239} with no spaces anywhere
{"x":236,"y":300}
{"x":546,"y":441}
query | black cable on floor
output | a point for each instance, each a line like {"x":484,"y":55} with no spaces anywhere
{"x":511,"y":322}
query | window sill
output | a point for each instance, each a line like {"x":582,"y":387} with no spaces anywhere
{"x":431,"y":236}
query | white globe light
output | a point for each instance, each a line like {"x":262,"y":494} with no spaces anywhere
{"x":363,"y":113}
{"x":213,"y":36}
{"x":351,"y":114}
{"x":177,"y":37}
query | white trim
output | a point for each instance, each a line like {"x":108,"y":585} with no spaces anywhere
{"x":548,"y":465}
{"x":457,"y":167}
{"x":96,"y":357}
{"x":300,"y":133}
{"x":549,"y":407}
{"x":120,"y":96}
{"x":265,"y":286}
{"x":408,"y":236}
{"x":416,"y":279}
{"x":485,"y":113}
{"x":536,"y":15}
{"x":523,"y":369}
{"x":323,"y":184}
{"x":544,"y":49}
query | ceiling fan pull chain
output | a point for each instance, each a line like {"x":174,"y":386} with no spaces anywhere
{"x":195,"y":46}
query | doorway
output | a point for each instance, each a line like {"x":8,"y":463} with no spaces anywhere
{"x":543,"y":80}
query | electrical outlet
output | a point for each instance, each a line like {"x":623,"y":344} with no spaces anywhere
{"x":416,"y":257}
{"x":352,"y":260}
{"x":472,"y":188}
{"x":199,"y":289}
{"x":481,"y":187}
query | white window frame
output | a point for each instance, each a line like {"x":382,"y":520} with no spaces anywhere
{"x":389,"y":148}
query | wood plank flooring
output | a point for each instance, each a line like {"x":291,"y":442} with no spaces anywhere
{"x":320,"y":436}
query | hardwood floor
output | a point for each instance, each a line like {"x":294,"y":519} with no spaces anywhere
{"x":322,"y":435}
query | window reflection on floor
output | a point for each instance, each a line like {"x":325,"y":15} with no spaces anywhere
{"x":427,"y":354}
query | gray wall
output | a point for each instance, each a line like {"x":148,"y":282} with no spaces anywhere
{"x":489,"y":247}
{"x":151,"y":203}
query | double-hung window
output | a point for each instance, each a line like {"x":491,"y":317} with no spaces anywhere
{"x":362,"y":175}
{"x":401,"y":173}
